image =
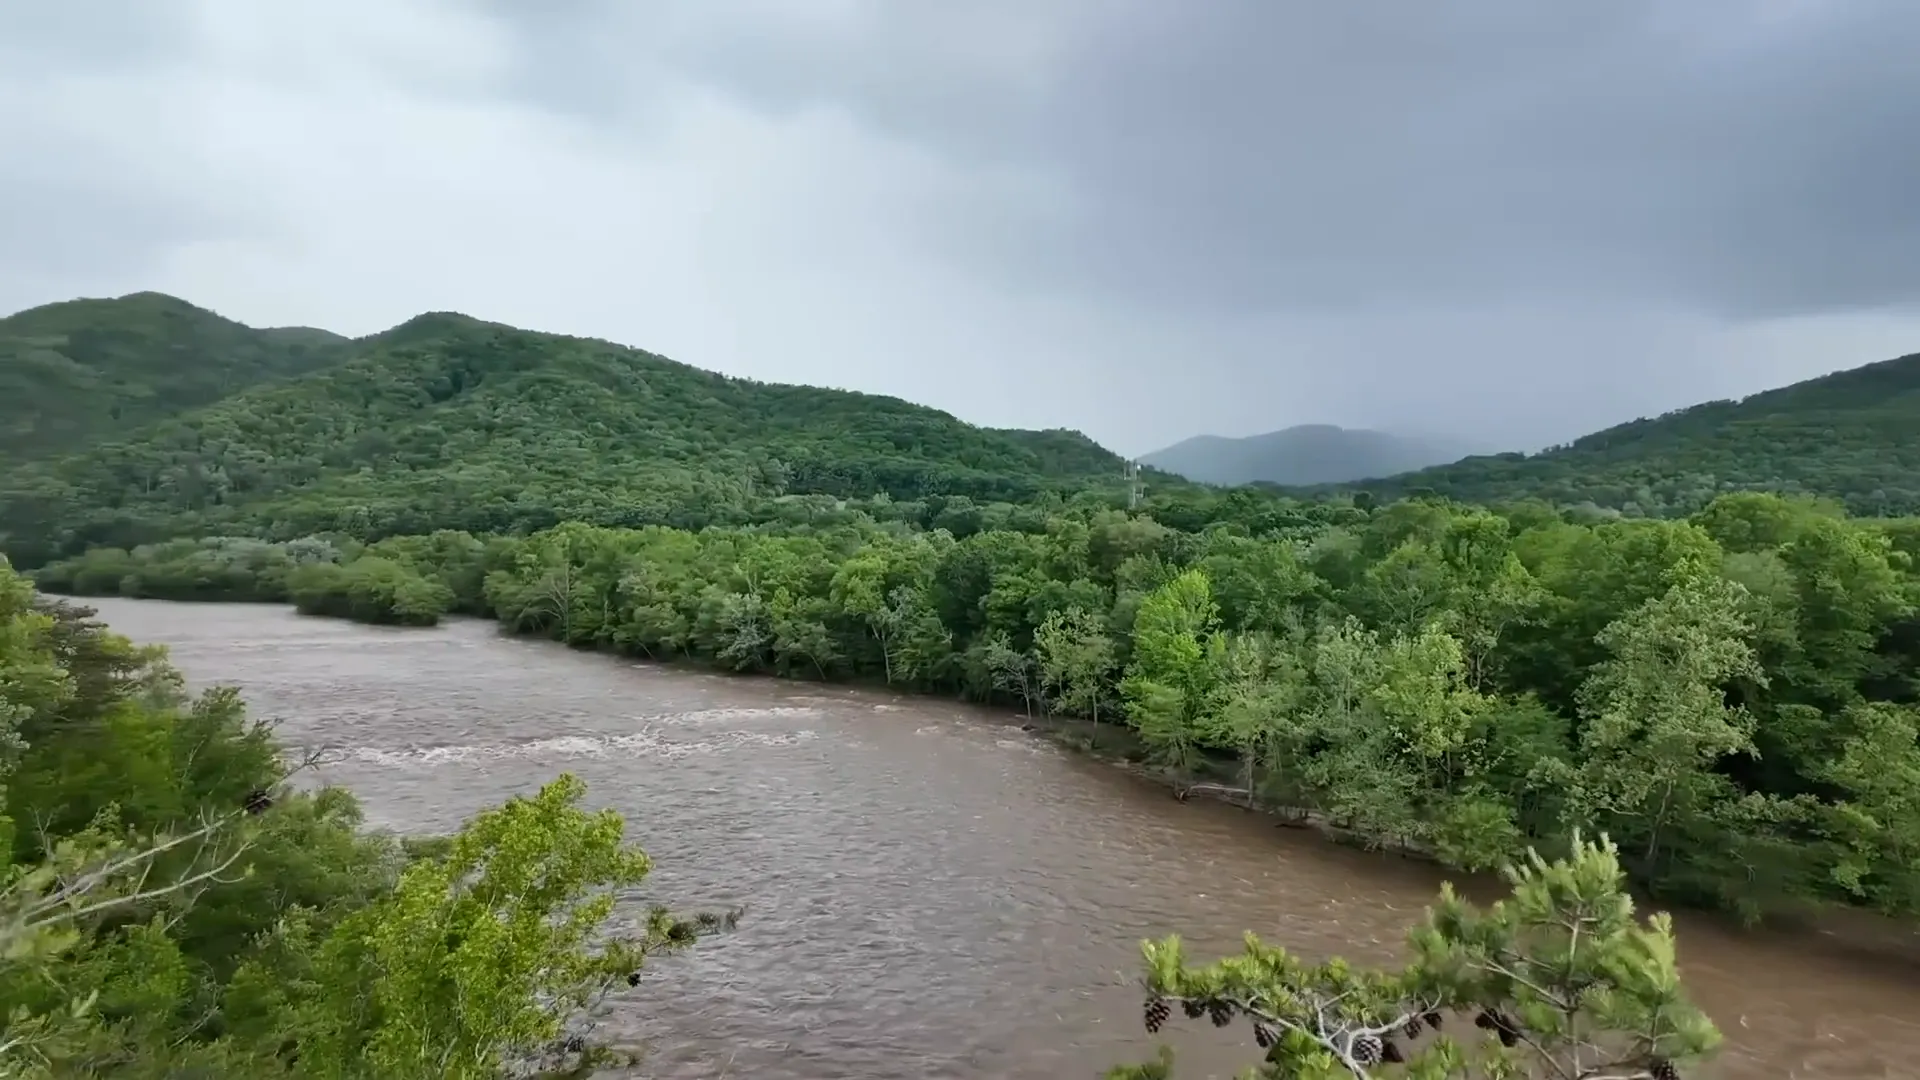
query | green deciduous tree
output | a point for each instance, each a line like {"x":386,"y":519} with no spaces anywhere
{"x":1262,"y":694}
{"x":1076,"y":658}
{"x":479,"y":958}
{"x":1171,"y":677}
{"x":1657,"y":720}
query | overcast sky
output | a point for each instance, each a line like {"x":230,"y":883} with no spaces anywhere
{"x":1504,"y":219}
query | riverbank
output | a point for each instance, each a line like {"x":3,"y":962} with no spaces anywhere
{"x":1851,"y":930}
{"x":1117,"y":745}
{"x":1460,"y":714}
{"x":1110,"y":741}
{"x":1865,"y":935}
{"x":911,"y":866}
{"x":1856,"y":932}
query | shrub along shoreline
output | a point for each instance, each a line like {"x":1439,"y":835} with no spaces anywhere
{"x":1728,"y":697}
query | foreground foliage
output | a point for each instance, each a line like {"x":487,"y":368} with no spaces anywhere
{"x":1731,"y":697}
{"x":169,"y":906}
{"x":1561,"y":981}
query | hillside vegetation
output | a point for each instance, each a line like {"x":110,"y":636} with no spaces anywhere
{"x":76,"y":373}
{"x":1302,"y":455}
{"x":450,"y":422}
{"x":1853,"y":435}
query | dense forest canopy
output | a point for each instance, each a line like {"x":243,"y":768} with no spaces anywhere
{"x":1731,"y":696}
{"x":1853,"y":435}
{"x":143,"y":419}
{"x":450,"y":422}
{"x":77,"y":373}
{"x":173,"y":907}
{"x":1302,"y":455}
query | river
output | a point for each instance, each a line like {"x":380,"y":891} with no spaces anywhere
{"x":931,"y":892}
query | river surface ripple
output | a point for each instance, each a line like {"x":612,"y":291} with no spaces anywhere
{"x":932,"y":893}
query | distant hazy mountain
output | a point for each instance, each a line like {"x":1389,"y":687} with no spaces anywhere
{"x":1302,"y":455}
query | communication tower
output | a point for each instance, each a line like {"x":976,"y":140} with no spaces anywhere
{"x":1135,"y":489}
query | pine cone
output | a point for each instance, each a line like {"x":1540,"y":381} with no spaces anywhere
{"x":1368,"y":1049}
{"x":1220,"y":1013}
{"x":1263,"y":1034}
{"x":1500,"y":1025}
{"x":1156,"y":1014}
{"x":1663,"y":1069}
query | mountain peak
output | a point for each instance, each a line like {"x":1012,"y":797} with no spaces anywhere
{"x":81,"y":371}
{"x":85,"y":309}
{"x":1304,"y":454}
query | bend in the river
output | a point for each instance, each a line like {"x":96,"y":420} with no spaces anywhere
{"x":931,"y":892}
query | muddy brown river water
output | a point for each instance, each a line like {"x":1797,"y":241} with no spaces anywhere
{"x":931,"y":892}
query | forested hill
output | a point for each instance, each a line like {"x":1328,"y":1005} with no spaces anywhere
{"x":449,"y":422}
{"x":77,"y":372}
{"x":1303,"y":454}
{"x":1853,"y":435}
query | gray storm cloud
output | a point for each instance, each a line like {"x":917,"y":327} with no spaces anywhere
{"x":1500,"y":218}
{"x":1736,"y":157}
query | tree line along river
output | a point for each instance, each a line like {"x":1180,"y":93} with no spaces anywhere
{"x":931,"y":893}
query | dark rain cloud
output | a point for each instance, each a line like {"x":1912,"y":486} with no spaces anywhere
{"x":1734,"y":157}
{"x":1505,"y":219}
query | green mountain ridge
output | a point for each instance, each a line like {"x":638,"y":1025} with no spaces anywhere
{"x":448,"y":421}
{"x":1852,"y":435}
{"x":77,"y":372}
{"x":1302,"y":455}
{"x":145,"y":418}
